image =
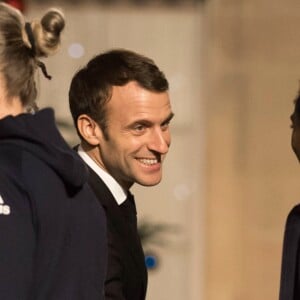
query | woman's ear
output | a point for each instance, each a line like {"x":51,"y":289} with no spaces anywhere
{"x":89,"y":130}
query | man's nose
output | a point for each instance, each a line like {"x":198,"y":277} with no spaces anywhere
{"x":159,"y":141}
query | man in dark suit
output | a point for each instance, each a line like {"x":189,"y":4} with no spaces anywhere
{"x":290,"y":269}
{"x":121,"y":108}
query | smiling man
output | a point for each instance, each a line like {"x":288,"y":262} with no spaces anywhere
{"x":121,"y":109}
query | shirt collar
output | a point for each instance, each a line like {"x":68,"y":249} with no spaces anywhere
{"x":114,"y":187}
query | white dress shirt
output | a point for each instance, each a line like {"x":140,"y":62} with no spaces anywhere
{"x":114,"y":187}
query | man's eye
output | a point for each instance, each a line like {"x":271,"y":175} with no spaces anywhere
{"x":139,"y":127}
{"x":165,"y":126}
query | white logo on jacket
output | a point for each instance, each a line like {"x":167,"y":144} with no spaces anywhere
{"x":4,"y":209}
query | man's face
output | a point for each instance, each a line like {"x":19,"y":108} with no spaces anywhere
{"x":296,"y":131}
{"x":138,"y":135}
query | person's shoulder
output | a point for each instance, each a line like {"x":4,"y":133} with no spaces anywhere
{"x":8,"y":147}
{"x":295,"y":210}
{"x":294,"y":216}
{"x":11,"y":170}
{"x":10,"y":156}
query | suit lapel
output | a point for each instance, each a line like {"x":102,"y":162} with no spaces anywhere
{"x":128,"y":235}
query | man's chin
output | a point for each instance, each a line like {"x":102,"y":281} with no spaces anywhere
{"x":296,"y":152}
{"x":149,"y":182}
{"x":298,"y":157}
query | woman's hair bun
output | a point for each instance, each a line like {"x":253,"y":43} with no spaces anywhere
{"x":47,"y":32}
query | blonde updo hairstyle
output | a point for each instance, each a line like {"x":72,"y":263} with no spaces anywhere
{"x":18,"y":57}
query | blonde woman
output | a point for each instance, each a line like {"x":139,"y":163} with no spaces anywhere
{"x":52,"y":228}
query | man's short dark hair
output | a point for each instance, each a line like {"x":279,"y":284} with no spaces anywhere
{"x":91,"y":87}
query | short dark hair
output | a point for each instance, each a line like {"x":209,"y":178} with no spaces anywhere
{"x":91,"y":87}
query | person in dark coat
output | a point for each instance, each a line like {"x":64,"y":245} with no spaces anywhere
{"x":121,"y":109}
{"x":52,"y":228}
{"x":290,"y":269}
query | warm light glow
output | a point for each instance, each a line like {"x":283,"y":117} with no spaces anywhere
{"x":76,"y":50}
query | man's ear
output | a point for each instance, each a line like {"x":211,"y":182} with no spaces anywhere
{"x":89,"y":129}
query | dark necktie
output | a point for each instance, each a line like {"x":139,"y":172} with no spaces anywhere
{"x":129,"y":209}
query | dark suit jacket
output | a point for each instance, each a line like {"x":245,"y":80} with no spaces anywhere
{"x":290,"y":269}
{"x":126,"y":271}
